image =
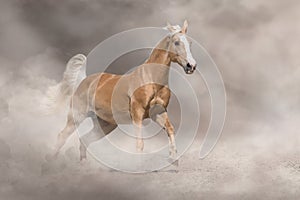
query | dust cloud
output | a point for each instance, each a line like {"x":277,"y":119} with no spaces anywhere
{"x":255,"y":45}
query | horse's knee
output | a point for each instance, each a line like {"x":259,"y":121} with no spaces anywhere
{"x":169,"y":127}
{"x":67,"y":131}
{"x":155,"y":110}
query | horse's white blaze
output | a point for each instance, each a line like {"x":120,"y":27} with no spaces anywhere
{"x":189,"y":56}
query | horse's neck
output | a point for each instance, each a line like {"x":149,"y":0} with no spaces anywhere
{"x":160,"y":54}
{"x":154,"y":70}
{"x":156,"y":67}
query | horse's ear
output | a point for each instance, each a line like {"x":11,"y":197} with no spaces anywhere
{"x":184,"y":27}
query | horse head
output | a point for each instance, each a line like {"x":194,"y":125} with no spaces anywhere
{"x":179,"y":47}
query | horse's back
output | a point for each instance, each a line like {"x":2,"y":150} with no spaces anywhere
{"x":88,"y":91}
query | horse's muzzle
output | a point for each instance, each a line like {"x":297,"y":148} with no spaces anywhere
{"x":189,"y":69}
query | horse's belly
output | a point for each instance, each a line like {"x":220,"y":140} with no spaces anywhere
{"x":113,"y":109}
{"x":114,"y":115}
{"x":112,"y":100}
{"x":120,"y":109}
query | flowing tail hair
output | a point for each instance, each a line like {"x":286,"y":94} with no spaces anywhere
{"x":59,"y":96}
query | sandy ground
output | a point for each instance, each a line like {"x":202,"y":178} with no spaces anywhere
{"x":224,"y":174}
{"x":253,"y":167}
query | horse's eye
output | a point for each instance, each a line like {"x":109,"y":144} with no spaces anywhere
{"x":176,"y":43}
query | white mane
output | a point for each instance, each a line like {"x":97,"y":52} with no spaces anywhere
{"x":173,"y":29}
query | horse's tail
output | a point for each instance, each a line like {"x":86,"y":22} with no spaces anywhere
{"x":58,"y":96}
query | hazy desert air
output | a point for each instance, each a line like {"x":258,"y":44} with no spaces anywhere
{"x":255,"y":44}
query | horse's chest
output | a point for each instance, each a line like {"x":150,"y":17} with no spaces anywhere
{"x":162,"y":97}
{"x":159,"y":95}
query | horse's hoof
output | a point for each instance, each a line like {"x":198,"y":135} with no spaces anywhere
{"x":173,"y":161}
{"x":140,"y":146}
{"x":139,"y":150}
{"x":82,"y":158}
{"x":176,"y":163}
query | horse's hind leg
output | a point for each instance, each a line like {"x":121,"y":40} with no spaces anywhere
{"x":100,"y":129}
{"x":66,"y":132}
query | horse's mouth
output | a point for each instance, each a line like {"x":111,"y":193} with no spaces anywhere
{"x":188,"y":71}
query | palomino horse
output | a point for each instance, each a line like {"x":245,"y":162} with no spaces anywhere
{"x":141,"y":99}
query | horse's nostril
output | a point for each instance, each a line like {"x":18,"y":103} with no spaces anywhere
{"x":189,"y":65}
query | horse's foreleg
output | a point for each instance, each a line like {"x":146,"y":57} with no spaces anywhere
{"x":139,"y":140}
{"x":164,"y":121}
{"x":137,"y":114}
{"x":159,"y":114}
